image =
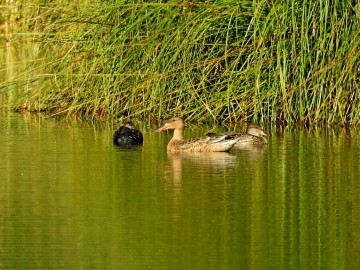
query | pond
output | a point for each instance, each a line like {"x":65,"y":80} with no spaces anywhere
{"x":70,"y":199}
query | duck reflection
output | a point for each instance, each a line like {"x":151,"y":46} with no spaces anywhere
{"x":194,"y":168}
{"x":251,"y":156}
{"x":200,"y":161}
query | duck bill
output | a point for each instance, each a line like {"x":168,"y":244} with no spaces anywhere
{"x":166,"y":126}
{"x":263,"y":134}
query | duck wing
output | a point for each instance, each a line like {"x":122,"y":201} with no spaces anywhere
{"x":217,"y":144}
{"x":193,"y":143}
{"x":224,"y":136}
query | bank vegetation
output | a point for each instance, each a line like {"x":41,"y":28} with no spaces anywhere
{"x":287,"y":62}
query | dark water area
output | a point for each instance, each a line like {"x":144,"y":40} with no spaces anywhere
{"x":70,"y":199}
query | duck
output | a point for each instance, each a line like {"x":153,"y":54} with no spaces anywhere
{"x":254,"y":136}
{"x":128,"y":135}
{"x":209,"y":144}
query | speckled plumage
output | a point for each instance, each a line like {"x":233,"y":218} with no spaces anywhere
{"x":127,"y":135}
{"x":208,"y":144}
{"x":254,"y":136}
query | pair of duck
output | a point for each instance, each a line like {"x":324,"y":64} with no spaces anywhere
{"x":214,"y":142}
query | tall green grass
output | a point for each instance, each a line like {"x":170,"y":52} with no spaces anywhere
{"x":289,"y":62}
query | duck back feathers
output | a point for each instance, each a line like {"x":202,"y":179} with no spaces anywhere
{"x":127,"y":135}
{"x":208,"y":144}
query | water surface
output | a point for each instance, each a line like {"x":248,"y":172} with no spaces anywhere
{"x":69,"y":199}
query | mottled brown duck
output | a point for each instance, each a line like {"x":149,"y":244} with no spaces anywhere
{"x":177,"y":143}
{"x":254,"y":136}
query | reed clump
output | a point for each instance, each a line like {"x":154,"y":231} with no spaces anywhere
{"x":289,"y":62}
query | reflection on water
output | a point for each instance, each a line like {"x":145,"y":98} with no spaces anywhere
{"x":197,"y":167}
{"x":70,"y":199}
{"x":213,"y":162}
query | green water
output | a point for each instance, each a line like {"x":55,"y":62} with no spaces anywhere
{"x":69,"y":199}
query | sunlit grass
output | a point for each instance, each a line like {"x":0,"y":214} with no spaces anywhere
{"x":286,"y":62}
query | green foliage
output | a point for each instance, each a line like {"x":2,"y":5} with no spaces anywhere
{"x":288,"y":62}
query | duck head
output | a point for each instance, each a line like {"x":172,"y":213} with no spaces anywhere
{"x":255,"y":130}
{"x":172,"y":123}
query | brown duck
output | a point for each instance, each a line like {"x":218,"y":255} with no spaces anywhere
{"x":221,"y":143}
{"x":254,"y":136}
